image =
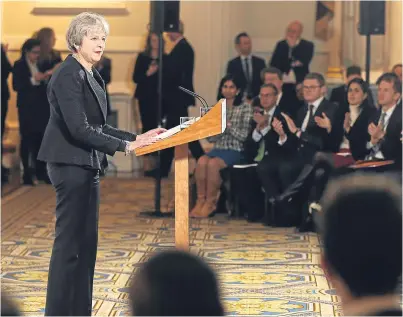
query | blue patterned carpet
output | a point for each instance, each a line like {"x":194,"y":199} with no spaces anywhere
{"x":262,"y":270}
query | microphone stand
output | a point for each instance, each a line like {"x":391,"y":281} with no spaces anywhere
{"x":157,"y":193}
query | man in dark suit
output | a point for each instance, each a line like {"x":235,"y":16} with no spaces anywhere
{"x":293,"y":55}
{"x":339,"y":94}
{"x":287,"y":101}
{"x":310,"y":133}
{"x":5,"y":95}
{"x":386,"y":127}
{"x":246,"y":67}
{"x":178,"y":72}
{"x":262,"y":148}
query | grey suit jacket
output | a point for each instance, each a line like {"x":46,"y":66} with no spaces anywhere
{"x":77,"y":132}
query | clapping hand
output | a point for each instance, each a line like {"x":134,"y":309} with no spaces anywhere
{"x":278,"y":127}
{"x":376,"y":132}
{"x":290,"y":123}
{"x":324,"y":122}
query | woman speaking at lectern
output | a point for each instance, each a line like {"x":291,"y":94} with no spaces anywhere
{"x":74,"y":146}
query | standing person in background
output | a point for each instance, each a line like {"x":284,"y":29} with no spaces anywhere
{"x":104,"y":68}
{"x":292,"y":56}
{"x":246,"y":68}
{"x":145,"y":75}
{"x":29,"y":83}
{"x":178,"y":71}
{"x":6,"y":69}
{"x":49,"y":60}
{"x":75,"y":145}
{"x":397,"y":69}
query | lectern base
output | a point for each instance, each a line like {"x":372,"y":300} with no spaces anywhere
{"x":155,"y":214}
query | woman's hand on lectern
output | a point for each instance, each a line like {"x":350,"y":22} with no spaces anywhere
{"x":141,"y":141}
{"x":152,"y":133}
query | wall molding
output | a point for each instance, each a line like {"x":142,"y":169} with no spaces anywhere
{"x":76,"y":7}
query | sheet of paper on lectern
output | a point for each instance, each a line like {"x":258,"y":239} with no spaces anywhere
{"x":176,"y":129}
{"x":223,"y":115}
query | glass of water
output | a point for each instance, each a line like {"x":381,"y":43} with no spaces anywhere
{"x":185,"y":122}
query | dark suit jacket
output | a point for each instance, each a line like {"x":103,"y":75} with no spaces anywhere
{"x":32,"y":104}
{"x":339,"y":96}
{"x":358,"y":135}
{"x":272,"y":149}
{"x":105,"y":73}
{"x":314,"y":138}
{"x":234,"y":67}
{"x":5,"y":71}
{"x":391,"y":146}
{"x":77,"y":132}
{"x":302,"y":52}
{"x":178,"y":71}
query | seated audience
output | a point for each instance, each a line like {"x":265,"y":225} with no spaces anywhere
{"x":361,"y":229}
{"x":227,"y":149}
{"x":352,"y":147}
{"x":293,"y":55}
{"x":246,"y":67}
{"x":383,"y":141}
{"x":339,"y":94}
{"x":309,"y":134}
{"x":175,"y":283}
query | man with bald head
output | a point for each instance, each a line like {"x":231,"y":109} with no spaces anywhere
{"x":293,"y":55}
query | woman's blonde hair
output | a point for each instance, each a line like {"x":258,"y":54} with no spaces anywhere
{"x":81,"y":25}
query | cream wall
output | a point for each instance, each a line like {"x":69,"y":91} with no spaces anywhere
{"x":210,"y":26}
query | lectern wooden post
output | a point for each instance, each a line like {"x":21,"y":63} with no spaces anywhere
{"x":212,"y":123}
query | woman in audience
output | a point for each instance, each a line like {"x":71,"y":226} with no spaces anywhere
{"x":49,"y":58}
{"x":175,"y":283}
{"x":227,"y":149}
{"x":314,"y":177}
{"x":145,"y":75}
{"x":29,"y":83}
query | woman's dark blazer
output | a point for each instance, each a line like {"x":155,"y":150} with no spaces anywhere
{"x":77,"y":132}
{"x":358,"y":135}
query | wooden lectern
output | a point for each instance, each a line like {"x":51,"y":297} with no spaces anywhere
{"x":210,"y":124}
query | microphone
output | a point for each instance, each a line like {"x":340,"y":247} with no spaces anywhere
{"x":205,"y":105}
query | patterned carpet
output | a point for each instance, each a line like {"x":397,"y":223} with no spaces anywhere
{"x":262,"y":270}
